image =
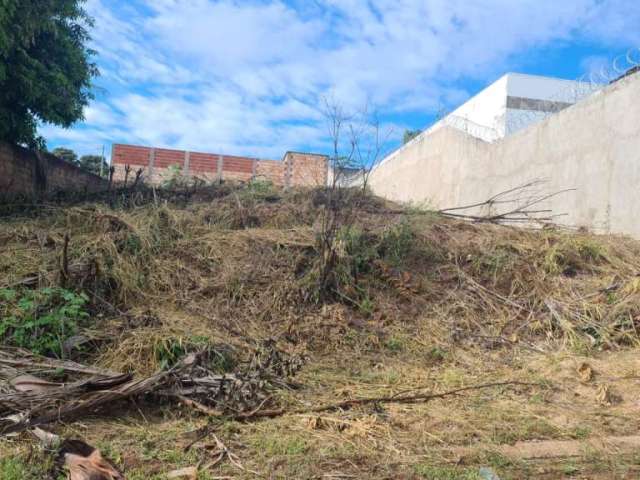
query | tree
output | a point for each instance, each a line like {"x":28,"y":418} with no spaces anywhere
{"x":410,"y":135}
{"x":357,"y":146}
{"x":66,"y":154}
{"x":46,"y":68}
{"x":94,"y":164}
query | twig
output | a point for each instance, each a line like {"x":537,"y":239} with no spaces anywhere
{"x":502,"y":298}
{"x":521,"y":212}
{"x":223,"y":452}
{"x":418,"y":398}
{"x":240,"y":210}
{"x":198,"y":406}
{"x":64,"y":266}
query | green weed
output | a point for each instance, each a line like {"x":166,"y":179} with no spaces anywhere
{"x":14,"y":468}
{"x":41,"y":320}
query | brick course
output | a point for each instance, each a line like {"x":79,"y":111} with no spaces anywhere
{"x":295,"y":169}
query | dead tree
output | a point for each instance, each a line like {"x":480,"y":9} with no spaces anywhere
{"x":356,"y":148}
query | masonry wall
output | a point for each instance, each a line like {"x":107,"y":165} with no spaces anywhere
{"x":159,"y":165}
{"x":592,"y":147}
{"x":23,"y":173}
{"x":306,"y":169}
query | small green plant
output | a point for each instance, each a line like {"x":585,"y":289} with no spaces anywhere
{"x":570,"y":469}
{"x":496,"y":264}
{"x":261,"y":187}
{"x":581,"y":432}
{"x":397,"y":243}
{"x":366,"y":305}
{"x":41,"y":320}
{"x":436,"y":354}
{"x":174,"y":177}
{"x":358,"y":249}
{"x":274,"y":445}
{"x":395,"y":344}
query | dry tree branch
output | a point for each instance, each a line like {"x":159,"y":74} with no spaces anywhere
{"x":523,"y":198}
{"x":417,"y":398}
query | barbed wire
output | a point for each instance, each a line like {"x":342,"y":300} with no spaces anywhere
{"x":486,"y":133}
{"x":580,"y":88}
{"x":575,"y":90}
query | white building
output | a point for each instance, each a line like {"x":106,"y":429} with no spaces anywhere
{"x":513,"y":102}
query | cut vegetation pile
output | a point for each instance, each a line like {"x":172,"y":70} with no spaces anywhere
{"x":197,"y":334}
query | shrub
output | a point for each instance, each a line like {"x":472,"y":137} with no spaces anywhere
{"x":261,"y":188}
{"x":41,"y":320}
{"x":359,"y":254}
{"x":175,"y":177}
{"x":397,"y":244}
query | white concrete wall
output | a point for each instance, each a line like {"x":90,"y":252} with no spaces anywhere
{"x":593,"y":146}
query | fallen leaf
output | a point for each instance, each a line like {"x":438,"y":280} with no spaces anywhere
{"x":93,"y":467}
{"x":605,"y":396}
{"x":585,"y":372}
{"x":29,"y":383}
{"x":83,"y":462}
{"x":313,"y":423}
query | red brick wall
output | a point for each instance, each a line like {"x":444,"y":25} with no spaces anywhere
{"x":274,"y":170}
{"x":24,"y":173}
{"x":307,"y":169}
{"x":295,"y":169}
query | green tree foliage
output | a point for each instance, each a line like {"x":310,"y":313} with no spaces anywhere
{"x":46,"y":68}
{"x":66,"y":154}
{"x":409,"y":135}
{"x":94,"y":164}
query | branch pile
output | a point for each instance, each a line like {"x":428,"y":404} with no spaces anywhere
{"x":28,"y":398}
{"x":522,"y":204}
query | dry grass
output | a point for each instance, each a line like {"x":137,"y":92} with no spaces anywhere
{"x":425,"y":302}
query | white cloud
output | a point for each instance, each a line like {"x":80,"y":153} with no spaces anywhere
{"x":247,"y":76}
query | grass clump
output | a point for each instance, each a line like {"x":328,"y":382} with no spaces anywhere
{"x":14,"y":469}
{"x":571,"y":255}
{"x":397,"y":243}
{"x":17,"y":468}
{"x":281,"y":445}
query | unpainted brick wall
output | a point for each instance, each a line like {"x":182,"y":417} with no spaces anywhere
{"x":25,"y":173}
{"x":296,"y":169}
{"x":306,"y":169}
{"x":274,"y":170}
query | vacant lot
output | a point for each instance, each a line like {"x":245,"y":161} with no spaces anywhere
{"x":439,"y":347}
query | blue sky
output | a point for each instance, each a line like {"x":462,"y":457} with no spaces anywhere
{"x":249,"y":77}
